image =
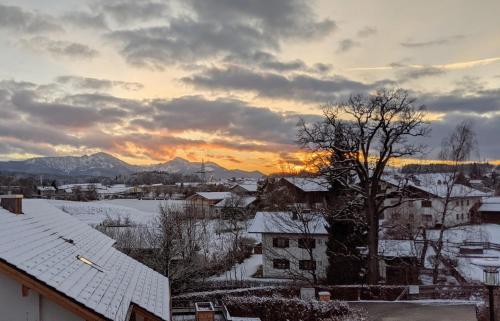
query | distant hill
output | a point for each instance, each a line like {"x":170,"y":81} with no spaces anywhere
{"x":102,"y":164}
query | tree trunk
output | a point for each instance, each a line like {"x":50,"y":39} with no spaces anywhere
{"x":373,"y":264}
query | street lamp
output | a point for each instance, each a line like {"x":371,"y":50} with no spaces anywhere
{"x":490,"y":279}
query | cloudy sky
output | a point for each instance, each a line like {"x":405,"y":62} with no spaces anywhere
{"x":227,"y":80}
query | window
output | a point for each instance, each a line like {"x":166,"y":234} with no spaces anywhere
{"x":307,"y":243}
{"x":307,"y":265}
{"x":458,"y":217}
{"x":462,"y":216}
{"x":468,"y":203}
{"x":281,"y":264}
{"x":281,"y":242}
{"x":427,"y":218}
{"x":462,"y":203}
{"x":457,"y":203}
{"x":426,"y":203}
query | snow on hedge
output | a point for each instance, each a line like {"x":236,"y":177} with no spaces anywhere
{"x":276,"y":308}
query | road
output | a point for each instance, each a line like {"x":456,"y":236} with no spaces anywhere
{"x":404,"y":311}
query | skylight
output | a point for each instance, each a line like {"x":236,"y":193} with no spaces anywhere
{"x":89,"y":262}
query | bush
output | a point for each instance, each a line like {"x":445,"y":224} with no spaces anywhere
{"x":277,"y":308}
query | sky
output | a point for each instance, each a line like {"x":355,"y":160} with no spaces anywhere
{"x":228,"y":80}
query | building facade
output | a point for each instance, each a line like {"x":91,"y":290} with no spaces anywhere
{"x":293,"y":245}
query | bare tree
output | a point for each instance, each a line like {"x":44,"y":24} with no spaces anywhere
{"x":354,"y":144}
{"x":456,"y":149}
{"x":175,"y":239}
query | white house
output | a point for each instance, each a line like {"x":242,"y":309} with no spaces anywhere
{"x":425,"y":199}
{"x":54,"y":267}
{"x":292,"y":246}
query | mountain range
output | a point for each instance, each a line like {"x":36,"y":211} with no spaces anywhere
{"x":103,"y":164}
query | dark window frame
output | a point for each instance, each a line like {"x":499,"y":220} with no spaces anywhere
{"x":281,"y":264}
{"x":302,"y":243}
{"x":277,"y":242}
{"x":308,"y":265}
{"x":426,"y":203}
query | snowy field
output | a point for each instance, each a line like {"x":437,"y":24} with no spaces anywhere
{"x":140,"y":212}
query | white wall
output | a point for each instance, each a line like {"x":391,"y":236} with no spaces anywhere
{"x":457,"y":212}
{"x":293,"y":253}
{"x":15,"y":307}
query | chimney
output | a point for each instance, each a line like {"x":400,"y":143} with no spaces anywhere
{"x":205,"y":311}
{"x":324,"y":296}
{"x":12,"y":203}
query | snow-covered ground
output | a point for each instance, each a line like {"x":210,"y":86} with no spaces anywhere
{"x":94,"y":213}
{"x":140,"y":212}
{"x":467,"y":264}
{"x":243,"y":271}
{"x":152,"y":206}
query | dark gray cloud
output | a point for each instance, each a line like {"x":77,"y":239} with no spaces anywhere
{"x":216,"y":29}
{"x":228,"y":117}
{"x":367,"y":32}
{"x":347,"y":44}
{"x":78,"y":82}
{"x":186,"y":40}
{"x":434,"y":42}
{"x":61,"y":48}
{"x":65,"y":115}
{"x":297,"y":87}
{"x":410,"y":73}
{"x":87,"y":20}
{"x":126,"y":11}
{"x":486,"y":129}
{"x":269,"y":62}
{"x":17,"y":19}
{"x":288,"y":19}
{"x":483,"y":101}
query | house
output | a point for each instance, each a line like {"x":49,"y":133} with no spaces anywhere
{"x":293,"y":246}
{"x":398,"y":261}
{"x":204,"y":202}
{"x":424,"y":200}
{"x":245,"y":188}
{"x":46,"y":191}
{"x":55,"y":267}
{"x":235,"y":202}
{"x":489,"y":211}
{"x":308,"y":192}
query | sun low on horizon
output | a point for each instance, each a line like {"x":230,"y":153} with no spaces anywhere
{"x":228,"y":81}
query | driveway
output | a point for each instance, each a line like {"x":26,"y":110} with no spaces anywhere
{"x":409,"y":311}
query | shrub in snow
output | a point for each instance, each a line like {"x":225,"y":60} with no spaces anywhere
{"x":277,"y":308}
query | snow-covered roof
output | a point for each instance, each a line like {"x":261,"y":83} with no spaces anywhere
{"x":115,"y":189}
{"x":249,"y":187}
{"x":283,"y":223}
{"x":397,"y":248}
{"x":83,"y":186}
{"x":490,"y":204}
{"x":435,"y":184}
{"x":236,"y":202}
{"x":46,"y":188}
{"x":308,"y":184}
{"x":215,"y":195}
{"x":52,"y":247}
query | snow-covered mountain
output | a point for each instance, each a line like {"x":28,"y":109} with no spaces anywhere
{"x":182,"y":166}
{"x":102,"y":164}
